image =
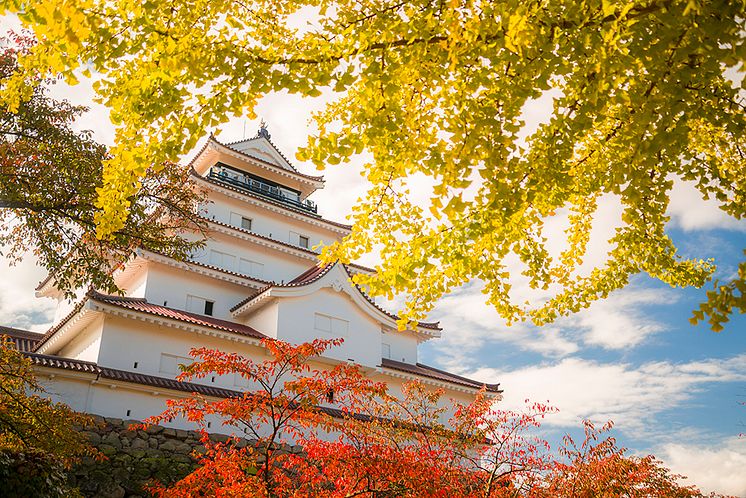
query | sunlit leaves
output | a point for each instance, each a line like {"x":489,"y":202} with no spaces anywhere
{"x":29,"y":420}
{"x":413,"y":445}
{"x":437,"y":90}
{"x":50,"y":179}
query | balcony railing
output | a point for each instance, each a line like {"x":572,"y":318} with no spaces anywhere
{"x":245,"y":182}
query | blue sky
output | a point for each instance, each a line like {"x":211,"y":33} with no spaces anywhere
{"x":672,"y":389}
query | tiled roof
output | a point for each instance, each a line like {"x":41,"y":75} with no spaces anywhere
{"x":124,"y":376}
{"x":424,"y":325}
{"x":228,"y":146}
{"x":23,"y":340}
{"x":151,"y":380}
{"x":434,"y":373}
{"x":311,"y":275}
{"x":315,"y":273}
{"x":212,"y":267}
{"x":263,"y":237}
{"x":141,"y":305}
{"x":49,"y":333}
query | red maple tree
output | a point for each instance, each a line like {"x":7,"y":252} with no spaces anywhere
{"x":333,"y":432}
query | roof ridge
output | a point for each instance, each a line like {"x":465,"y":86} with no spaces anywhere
{"x":184,"y":316}
{"x":293,"y":170}
{"x":26,"y":334}
{"x":277,"y":149}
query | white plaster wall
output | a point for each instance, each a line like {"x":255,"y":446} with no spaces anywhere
{"x":86,"y":344}
{"x":171,"y":286}
{"x":135,"y":285}
{"x":65,"y":306}
{"x":126,"y":341}
{"x":74,"y":393}
{"x":278,"y":266}
{"x":265,"y":319}
{"x":266,"y":222}
{"x":403,"y":345}
{"x":297,"y":318}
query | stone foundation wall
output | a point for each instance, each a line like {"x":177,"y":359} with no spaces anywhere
{"x":136,"y":457}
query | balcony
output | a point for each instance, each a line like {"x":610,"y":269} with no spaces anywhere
{"x":244,"y":182}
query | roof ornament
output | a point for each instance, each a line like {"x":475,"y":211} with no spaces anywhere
{"x":263,"y":132}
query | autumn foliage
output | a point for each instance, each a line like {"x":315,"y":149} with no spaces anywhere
{"x":358,"y":439}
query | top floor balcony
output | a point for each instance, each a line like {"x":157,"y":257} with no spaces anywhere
{"x":264,"y":188}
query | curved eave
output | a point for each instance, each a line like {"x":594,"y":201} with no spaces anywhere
{"x":339,"y":283}
{"x":397,"y":374}
{"x":205,"y":269}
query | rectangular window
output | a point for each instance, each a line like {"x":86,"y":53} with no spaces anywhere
{"x":330,"y":325}
{"x":197,"y":304}
{"x":252,"y":268}
{"x":222,"y":259}
{"x":323,"y":323}
{"x":239,"y":220}
{"x":303,"y":241}
{"x":170,"y":363}
{"x":386,"y":351}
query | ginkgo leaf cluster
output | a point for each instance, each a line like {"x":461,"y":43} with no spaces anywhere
{"x":439,"y":89}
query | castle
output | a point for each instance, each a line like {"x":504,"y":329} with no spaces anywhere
{"x":257,"y":276}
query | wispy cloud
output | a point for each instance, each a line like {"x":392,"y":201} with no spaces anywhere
{"x":631,"y":395}
{"x":690,"y":212}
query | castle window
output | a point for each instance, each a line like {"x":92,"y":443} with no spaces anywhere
{"x":253,"y":268}
{"x":330,"y":325}
{"x":170,"y":363}
{"x":386,"y":351}
{"x":197,"y":304}
{"x":303,"y":241}
{"x":238,"y":220}
{"x":222,"y":259}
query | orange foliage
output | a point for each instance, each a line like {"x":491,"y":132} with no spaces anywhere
{"x":368,"y":443}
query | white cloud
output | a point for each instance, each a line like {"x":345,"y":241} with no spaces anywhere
{"x":716,"y":467}
{"x":630,"y":395}
{"x":18,"y":305}
{"x":469,"y":324}
{"x":619,"y":321}
{"x":689,"y":211}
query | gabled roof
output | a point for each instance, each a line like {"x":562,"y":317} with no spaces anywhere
{"x":434,"y":373}
{"x":24,"y":340}
{"x":262,"y":140}
{"x":287,"y":171}
{"x":142,"y":306}
{"x":49,"y":361}
{"x":313,"y":275}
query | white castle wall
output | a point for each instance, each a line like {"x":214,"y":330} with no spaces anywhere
{"x":267,"y":222}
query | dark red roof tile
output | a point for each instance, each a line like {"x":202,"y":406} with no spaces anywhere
{"x":141,"y":305}
{"x":434,"y":373}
